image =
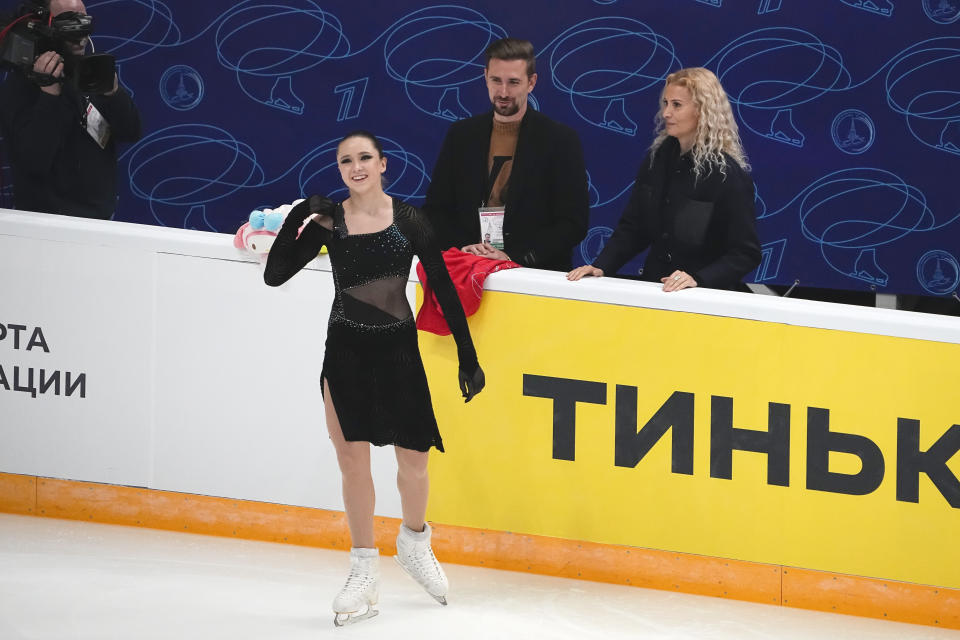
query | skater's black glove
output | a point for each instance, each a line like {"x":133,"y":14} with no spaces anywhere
{"x":314,"y":204}
{"x":471,"y":383}
{"x":322,"y":205}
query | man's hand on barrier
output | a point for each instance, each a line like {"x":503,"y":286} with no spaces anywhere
{"x":585,"y":270}
{"x":485,"y":250}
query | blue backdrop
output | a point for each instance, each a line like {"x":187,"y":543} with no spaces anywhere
{"x":849,"y":110}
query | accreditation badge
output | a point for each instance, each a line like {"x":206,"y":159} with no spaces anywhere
{"x":97,"y":126}
{"x":491,"y":226}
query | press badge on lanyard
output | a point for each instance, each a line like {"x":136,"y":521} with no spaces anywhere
{"x":491,"y":226}
{"x":96,"y":125}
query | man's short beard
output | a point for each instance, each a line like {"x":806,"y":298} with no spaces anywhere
{"x":511,"y":110}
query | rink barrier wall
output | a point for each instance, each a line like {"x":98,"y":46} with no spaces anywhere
{"x":172,"y":333}
{"x":615,"y":564}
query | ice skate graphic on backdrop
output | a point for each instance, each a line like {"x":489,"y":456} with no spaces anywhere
{"x":783,"y":130}
{"x":416,"y":557}
{"x":867,"y":269}
{"x":950,"y":137}
{"x":615,"y":118}
{"x":356,"y":600}
{"x":449,"y":106}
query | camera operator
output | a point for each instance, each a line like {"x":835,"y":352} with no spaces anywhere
{"x":62,"y":144}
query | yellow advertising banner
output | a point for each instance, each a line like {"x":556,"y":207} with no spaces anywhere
{"x":731,"y":438}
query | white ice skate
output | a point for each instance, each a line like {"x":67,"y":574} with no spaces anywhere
{"x":416,"y":557}
{"x":356,"y":600}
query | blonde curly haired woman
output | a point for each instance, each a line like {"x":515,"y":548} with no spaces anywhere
{"x":693,"y":201}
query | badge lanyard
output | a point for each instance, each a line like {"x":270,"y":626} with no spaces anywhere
{"x":95,"y":124}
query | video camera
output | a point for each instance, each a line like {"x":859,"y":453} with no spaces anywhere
{"x":34,"y":31}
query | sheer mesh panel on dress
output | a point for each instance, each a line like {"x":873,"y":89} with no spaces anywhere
{"x":379,"y":302}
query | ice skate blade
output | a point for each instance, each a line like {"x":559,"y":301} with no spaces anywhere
{"x":441,"y":599}
{"x":344,"y":619}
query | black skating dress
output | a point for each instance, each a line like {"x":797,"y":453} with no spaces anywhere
{"x":372,"y":361}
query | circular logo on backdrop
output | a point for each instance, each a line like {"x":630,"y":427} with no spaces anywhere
{"x":938,"y":272}
{"x":853,"y":131}
{"x":592,"y":245}
{"x":942,"y":11}
{"x":181,"y":87}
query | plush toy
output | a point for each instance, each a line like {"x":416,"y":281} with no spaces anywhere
{"x":258,"y":233}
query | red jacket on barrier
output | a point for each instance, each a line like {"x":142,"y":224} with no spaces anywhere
{"x":468,"y":273}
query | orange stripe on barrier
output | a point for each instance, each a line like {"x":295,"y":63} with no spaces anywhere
{"x":132,"y":506}
{"x":872,"y":598}
{"x":209,"y":515}
{"x":681,"y":572}
{"x":634,"y":566}
{"x":18,"y":494}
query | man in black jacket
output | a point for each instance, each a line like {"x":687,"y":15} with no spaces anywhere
{"x":62,"y":145}
{"x":514,"y":161}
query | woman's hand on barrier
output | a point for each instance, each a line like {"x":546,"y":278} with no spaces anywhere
{"x":585,"y":270}
{"x":678,"y":280}
{"x":471,"y":383}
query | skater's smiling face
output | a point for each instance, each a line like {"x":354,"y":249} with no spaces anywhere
{"x":680,"y":114}
{"x":361,"y":164}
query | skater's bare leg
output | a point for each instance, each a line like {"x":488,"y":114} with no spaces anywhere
{"x":359,"y":595}
{"x":413,"y":482}
{"x":414,"y":552}
{"x":358,"y":492}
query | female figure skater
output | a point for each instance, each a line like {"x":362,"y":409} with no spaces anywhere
{"x":374,"y":386}
{"x":693,"y":201}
